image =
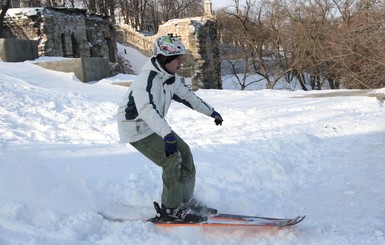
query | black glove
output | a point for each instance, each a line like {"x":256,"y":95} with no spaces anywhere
{"x":218,"y":118}
{"x":170,"y":144}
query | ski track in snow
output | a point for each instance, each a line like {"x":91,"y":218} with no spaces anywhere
{"x":277,"y":154}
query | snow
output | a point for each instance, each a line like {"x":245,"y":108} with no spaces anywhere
{"x":23,"y":11}
{"x":129,"y":53}
{"x":279,"y":153}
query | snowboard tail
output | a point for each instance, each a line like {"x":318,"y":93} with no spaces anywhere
{"x":260,"y":220}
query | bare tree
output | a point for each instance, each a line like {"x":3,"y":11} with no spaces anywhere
{"x":358,"y":46}
{"x":310,"y":27}
{"x":317,"y":42}
{"x":147,"y":15}
{"x":341,"y":42}
{"x":259,"y":29}
{"x":4,"y":8}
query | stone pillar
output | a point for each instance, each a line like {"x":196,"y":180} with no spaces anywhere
{"x":208,"y":8}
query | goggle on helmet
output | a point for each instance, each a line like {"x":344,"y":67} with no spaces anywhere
{"x":168,"y":46}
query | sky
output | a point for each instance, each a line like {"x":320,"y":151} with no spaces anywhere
{"x":224,"y":3}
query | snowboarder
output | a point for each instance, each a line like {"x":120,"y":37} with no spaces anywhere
{"x":141,"y":122}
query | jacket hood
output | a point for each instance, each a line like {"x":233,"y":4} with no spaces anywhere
{"x":153,"y":65}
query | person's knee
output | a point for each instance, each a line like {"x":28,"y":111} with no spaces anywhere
{"x":172,"y":168}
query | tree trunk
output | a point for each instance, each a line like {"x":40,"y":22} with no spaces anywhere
{"x":301,"y":81}
{"x":4,"y":10}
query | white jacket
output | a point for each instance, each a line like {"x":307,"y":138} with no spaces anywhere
{"x":145,"y":105}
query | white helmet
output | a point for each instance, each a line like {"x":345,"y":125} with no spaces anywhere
{"x":168,"y":46}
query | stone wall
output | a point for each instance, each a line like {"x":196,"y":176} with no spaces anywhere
{"x":85,"y":69}
{"x":12,"y":50}
{"x":63,"y":32}
{"x":127,"y":35}
{"x":199,"y":35}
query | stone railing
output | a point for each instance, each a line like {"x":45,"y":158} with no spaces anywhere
{"x":125,"y":34}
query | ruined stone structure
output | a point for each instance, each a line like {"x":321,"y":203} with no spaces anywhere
{"x":199,"y":35}
{"x":75,"y":33}
{"x":63,"y":32}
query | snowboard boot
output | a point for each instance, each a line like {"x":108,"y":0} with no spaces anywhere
{"x":200,"y":208}
{"x":179,"y":214}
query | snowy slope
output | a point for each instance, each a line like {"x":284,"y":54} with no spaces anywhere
{"x":277,"y":154}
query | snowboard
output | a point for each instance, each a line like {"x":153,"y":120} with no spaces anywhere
{"x":223,"y":219}
{"x":219,"y":220}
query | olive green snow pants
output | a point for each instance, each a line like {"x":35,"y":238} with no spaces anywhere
{"x":178,"y":169}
